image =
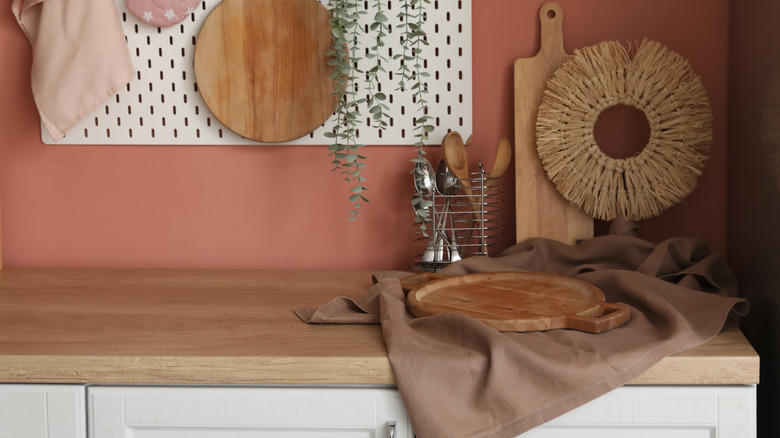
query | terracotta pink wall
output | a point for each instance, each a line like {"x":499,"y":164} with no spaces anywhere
{"x":280,"y":206}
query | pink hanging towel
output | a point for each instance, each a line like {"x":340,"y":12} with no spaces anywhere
{"x":80,"y":57}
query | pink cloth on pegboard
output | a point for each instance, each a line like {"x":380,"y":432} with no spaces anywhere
{"x":162,"y":13}
{"x":80,"y":57}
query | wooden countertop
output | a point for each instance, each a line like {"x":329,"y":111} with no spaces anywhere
{"x":232,"y":327}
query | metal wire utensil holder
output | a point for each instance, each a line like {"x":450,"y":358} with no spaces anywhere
{"x":465,"y":224}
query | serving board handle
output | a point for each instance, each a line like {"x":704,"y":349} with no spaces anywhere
{"x":611,"y":315}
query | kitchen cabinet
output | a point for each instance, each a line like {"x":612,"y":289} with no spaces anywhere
{"x":42,"y":411}
{"x":212,"y":412}
{"x":628,"y":412}
{"x":58,"y":411}
{"x":220,"y":353}
{"x":660,"y":412}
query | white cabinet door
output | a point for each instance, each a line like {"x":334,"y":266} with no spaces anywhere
{"x":306,"y":412}
{"x":42,"y":411}
{"x":243,"y":412}
{"x":660,"y":412}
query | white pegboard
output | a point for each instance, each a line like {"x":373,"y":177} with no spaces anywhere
{"x":162,"y":104}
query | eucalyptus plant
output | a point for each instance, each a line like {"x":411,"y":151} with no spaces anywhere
{"x":344,"y":60}
{"x":376,"y":99}
{"x":346,"y":75}
{"x":412,"y":74}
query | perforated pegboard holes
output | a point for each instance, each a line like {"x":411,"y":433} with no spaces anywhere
{"x":162,"y":104}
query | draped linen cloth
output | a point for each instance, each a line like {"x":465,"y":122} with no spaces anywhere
{"x":80,"y":57}
{"x":460,"y":377}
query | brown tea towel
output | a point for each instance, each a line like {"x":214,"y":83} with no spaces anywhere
{"x":459,"y":377}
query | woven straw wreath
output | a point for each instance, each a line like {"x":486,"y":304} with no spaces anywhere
{"x":657,"y":81}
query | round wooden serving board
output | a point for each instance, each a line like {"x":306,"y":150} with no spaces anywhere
{"x":261,"y":67}
{"x":520,"y":302}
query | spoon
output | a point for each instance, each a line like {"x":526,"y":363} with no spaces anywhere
{"x":447,"y":184}
{"x":455,"y":155}
{"x":503,"y":157}
{"x":423,"y":177}
{"x":424,"y":183}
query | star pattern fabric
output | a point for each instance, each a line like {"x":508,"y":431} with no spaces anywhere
{"x":162,"y":13}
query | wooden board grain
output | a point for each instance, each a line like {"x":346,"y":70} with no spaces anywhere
{"x":232,"y":327}
{"x":261,"y":67}
{"x":540,"y":210}
{"x":520,"y":301}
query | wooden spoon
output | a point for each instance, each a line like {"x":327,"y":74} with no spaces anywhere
{"x":503,"y":158}
{"x":501,"y":163}
{"x":455,"y":156}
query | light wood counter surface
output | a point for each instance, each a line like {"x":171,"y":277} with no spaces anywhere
{"x":232,"y":327}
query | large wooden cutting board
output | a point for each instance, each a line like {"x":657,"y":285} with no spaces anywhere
{"x":261,"y":67}
{"x":540,"y":210}
{"x":520,"y":302}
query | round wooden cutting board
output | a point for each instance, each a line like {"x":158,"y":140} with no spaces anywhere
{"x":520,"y":302}
{"x":261,"y":67}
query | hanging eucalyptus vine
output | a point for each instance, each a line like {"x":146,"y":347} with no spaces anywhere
{"x":376,"y":98}
{"x":412,"y":73}
{"x":344,"y":60}
{"x":346,"y":74}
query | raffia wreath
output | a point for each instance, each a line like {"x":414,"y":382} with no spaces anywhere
{"x":657,"y":81}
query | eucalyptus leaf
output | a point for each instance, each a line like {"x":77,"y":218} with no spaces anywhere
{"x":349,"y":68}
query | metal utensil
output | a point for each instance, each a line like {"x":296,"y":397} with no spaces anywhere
{"x":501,"y":163}
{"x":424,"y":178}
{"x":447,"y":184}
{"x":424,"y":183}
